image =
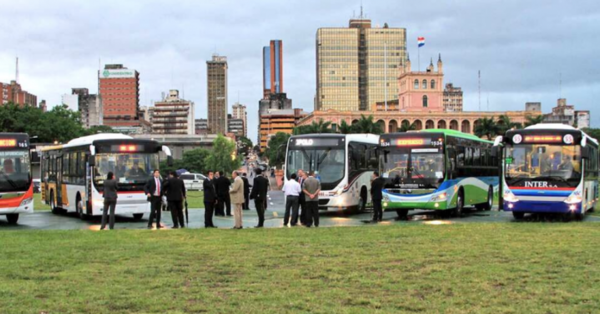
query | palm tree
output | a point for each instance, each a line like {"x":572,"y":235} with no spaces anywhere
{"x":314,"y":127}
{"x":505,"y":124}
{"x":346,"y":128}
{"x":367,"y":125}
{"x":486,"y":127}
{"x":407,"y":126}
{"x":533,"y":120}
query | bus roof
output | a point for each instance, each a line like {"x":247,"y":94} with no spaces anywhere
{"x":88,"y":140}
{"x":456,"y":133}
{"x":370,"y":138}
{"x":560,"y":127}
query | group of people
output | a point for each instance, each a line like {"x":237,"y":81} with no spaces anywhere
{"x":302,"y":199}
{"x":220,"y":193}
{"x":173,"y":189}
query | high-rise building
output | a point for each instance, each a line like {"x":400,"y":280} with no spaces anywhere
{"x":274,"y":121}
{"x":173,"y":115}
{"x":88,"y":105}
{"x":13,"y":93}
{"x":235,"y":126}
{"x":273,"y":68}
{"x":358,"y":66}
{"x":453,"y":98}
{"x":239,"y":112}
{"x":119,"y":88}
{"x":217,"y":94}
{"x":201,"y":126}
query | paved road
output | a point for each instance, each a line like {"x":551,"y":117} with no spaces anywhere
{"x":275,"y":212}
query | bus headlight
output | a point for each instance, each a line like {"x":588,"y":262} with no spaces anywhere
{"x":386,"y":198}
{"x":509,"y":196}
{"x":26,"y":201}
{"x":574,"y":198}
{"x":98,"y":203}
{"x":440,"y":197}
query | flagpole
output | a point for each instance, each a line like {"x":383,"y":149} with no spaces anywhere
{"x":419,"y":56}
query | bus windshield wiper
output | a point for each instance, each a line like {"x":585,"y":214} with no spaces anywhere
{"x":9,"y":180}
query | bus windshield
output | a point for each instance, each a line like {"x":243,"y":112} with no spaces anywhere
{"x":129,"y":169}
{"x":15,"y":172}
{"x":403,"y":167}
{"x":328,"y":164}
{"x":561,"y":164}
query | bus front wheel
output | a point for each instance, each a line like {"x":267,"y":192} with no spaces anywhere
{"x":518,"y":215}
{"x":490,"y":200}
{"x":79,"y":206}
{"x":402,"y":214}
{"x":53,"y":207}
{"x":362,"y":206}
{"x":12,"y":218}
{"x":460,"y":205}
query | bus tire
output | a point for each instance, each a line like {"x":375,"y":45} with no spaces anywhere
{"x":79,"y":208}
{"x":53,"y":207}
{"x":402,"y":214}
{"x":460,"y":204}
{"x":518,"y":215}
{"x":138,"y":217}
{"x":490,"y":200}
{"x":12,"y":218}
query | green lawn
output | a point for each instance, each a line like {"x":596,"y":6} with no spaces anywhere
{"x":195,"y":200}
{"x":462,"y":268}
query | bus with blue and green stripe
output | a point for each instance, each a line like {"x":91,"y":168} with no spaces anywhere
{"x":437,"y":169}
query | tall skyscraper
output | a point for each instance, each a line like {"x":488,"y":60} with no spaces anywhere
{"x":119,"y":88}
{"x":239,"y":112}
{"x":217,"y":94}
{"x":358,"y":66}
{"x":273,"y":68}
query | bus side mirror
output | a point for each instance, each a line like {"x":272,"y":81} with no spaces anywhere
{"x":91,"y":161}
{"x":170,"y":161}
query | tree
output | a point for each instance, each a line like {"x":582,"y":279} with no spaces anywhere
{"x":223,"y":156}
{"x":595,"y":133}
{"x":533,"y":120}
{"x":96,"y":129}
{"x":315,"y":127}
{"x":244,"y":145}
{"x":486,"y":127}
{"x":406,"y":126}
{"x":276,"y":149}
{"x":346,"y":128}
{"x":367,"y":125}
{"x":505,"y":124}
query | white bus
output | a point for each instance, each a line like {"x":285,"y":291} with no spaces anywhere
{"x":342,"y":163}
{"x":73,"y":174}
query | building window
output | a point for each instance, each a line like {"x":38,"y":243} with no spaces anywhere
{"x":416,"y":84}
{"x":424,"y":101}
{"x":432,"y":84}
{"x":424,"y":84}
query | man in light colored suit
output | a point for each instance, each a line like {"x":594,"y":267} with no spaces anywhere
{"x":237,"y":198}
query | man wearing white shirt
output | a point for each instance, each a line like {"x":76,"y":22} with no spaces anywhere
{"x":292,"y":192}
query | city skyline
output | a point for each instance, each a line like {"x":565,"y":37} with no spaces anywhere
{"x":520,"y":60}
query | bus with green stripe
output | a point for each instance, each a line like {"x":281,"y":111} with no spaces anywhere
{"x":437,"y":169}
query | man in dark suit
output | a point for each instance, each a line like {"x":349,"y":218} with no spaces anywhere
{"x":301,"y":177}
{"x":224,"y":204}
{"x":246,"y":192}
{"x":377,"y":196}
{"x":210,"y":199}
{"x":174,"y":189}
{"x":110,"y":200}
{"x":259,"y":195}
{"x":154,"y":190}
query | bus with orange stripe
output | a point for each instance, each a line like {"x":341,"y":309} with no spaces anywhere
{"x":73,"y":174}
{"x":16,"y":185}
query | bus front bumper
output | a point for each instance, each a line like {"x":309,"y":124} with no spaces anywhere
{"x":26,"y":208}
{"x":433,"y":201}
{"x":542,"y":207}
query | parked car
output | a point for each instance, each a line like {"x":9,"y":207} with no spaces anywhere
{"x":193,"y":181}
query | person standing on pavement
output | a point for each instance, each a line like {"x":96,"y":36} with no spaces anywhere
{"x":224,"y":205}
{"x":260,"y":187}
{"x":377,"y":196}
{"x":174,"y":189}
{"x":246,"y":192}
{"x":237,"y":198}
{"x":153,"y":191}
{"x":110,"y":200}
{"x":291,"y":190}
{"x":311,"y":190}
{"x":302,"y":202}
{"x":210,"y":199}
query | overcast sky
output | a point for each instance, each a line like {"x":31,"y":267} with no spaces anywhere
{"x":521,"y":47}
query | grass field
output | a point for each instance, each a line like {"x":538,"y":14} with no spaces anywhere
{"x":463,"y":268}
{"x":195,"y":200}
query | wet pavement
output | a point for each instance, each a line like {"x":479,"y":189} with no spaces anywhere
{"x":274,"y":219}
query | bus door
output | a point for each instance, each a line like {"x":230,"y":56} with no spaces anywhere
{"x":59,"y":181}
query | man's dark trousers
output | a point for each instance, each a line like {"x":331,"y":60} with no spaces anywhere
{"x":377,"y":210}
{"x":291,"y":202}
{"x":177,"y":213}
{"x":260,"y":210}
{"x":209,"y":208}
{"x":155,"y":210}
{"x":312,"y":213}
